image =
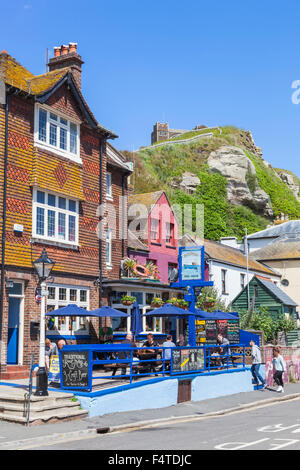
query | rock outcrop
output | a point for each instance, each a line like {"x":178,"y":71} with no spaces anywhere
{"x":188,"y":182}
{"x":242,"y":188}
{"x":289,"y":180}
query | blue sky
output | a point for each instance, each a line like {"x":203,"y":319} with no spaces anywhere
{"x":188,"y":63}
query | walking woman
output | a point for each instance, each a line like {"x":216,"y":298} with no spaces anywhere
{"x":279,"y":367}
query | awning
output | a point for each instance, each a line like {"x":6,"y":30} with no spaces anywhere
{"x":217,"y":315}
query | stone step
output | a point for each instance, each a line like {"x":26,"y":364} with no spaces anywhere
{"x":36,"y":409}
{"x":19,"y":398}
{"x":58,"y":406}
{"x":47,"y":417}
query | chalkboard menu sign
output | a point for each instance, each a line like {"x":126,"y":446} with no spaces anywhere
{"x":75,"y":369}
{"x":233,"y":331}
{"x":222,"y":327}
{"x":187,"y":360}
{"x":211,"y":331}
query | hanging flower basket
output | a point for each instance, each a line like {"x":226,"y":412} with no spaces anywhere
{"x":128,"y":300}
{"x":209,"y":304}
{"x":157,"y":302}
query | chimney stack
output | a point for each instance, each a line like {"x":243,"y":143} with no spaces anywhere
{"x":66,"y":56}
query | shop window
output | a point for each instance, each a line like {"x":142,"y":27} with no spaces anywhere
{"x":138,"y":296}
{"x":60,"y":296}
{"x":119,"y":324}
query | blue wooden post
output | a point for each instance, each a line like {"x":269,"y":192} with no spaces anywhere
{"x":192,"y":326}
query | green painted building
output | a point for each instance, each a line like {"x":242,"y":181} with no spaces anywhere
{"x":264,"y":293}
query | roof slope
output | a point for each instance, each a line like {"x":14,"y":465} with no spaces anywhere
{"x":147,"y":199}
{"x":275,"y":290}
{"x":281,"y":249}
{"x":228,"y":255}
{"x":135,"y":243}
{"x":292,"y":227}
{"x":115,"y":158}
{"x":13,"y":73}
{"x":41,"y":86}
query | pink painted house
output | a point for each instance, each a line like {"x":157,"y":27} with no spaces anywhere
{"x":153,"y":232}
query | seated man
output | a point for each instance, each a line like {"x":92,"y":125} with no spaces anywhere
{"x":124,"y":355}
{"x":149,"y":353}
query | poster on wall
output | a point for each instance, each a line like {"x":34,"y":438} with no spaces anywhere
{"x":191,"y":264}
{"x":54,"y":371}
{"x":200,"y":331}
{"x":187,"y":360}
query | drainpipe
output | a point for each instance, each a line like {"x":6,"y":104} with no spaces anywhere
{"x":2,"y":283}
{"x":101,"y":228}
{"x":123,"y":214}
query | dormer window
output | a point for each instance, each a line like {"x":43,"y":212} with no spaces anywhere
{"x":56,"y":133}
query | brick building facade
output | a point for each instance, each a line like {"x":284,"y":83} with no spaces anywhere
{"x":56,"y":168}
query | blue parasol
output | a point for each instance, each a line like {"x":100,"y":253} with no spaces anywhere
{"x":72,"y":310}
{"x":169,"y":310}
{"x":136,"y":320}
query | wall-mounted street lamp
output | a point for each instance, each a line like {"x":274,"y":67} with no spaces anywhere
{"x":43,"y":266}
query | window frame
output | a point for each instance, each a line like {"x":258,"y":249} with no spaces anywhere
{"x":108,"y":241}
{"x":223,"y":281}
{"x":242,"y":280}
{"x":52,"y":122}
{"x":57,"y":211}
{"x":157,"y":230}
{"x":58,"y":303}
{"x":170,"y":230}
{"x":109,"y":194}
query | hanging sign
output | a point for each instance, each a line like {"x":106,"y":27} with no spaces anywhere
{"x":191,"y":263}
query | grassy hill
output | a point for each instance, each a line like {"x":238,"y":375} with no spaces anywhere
{"x":155,"y":168}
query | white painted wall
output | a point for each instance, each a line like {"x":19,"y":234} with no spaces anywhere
{"x":233,"y":279}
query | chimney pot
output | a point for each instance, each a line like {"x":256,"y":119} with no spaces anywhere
{"x":56,"y":51}
{"x":67,"y":56}
{"x":64,"y":49}
{"x":72,"y":47}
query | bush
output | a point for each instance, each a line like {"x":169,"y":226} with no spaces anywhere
{"x":261,"y":320}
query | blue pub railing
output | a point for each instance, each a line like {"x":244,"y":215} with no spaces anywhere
{"x":114,"y":357}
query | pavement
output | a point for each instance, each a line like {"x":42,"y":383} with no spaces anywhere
{"x":16,"y":436}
